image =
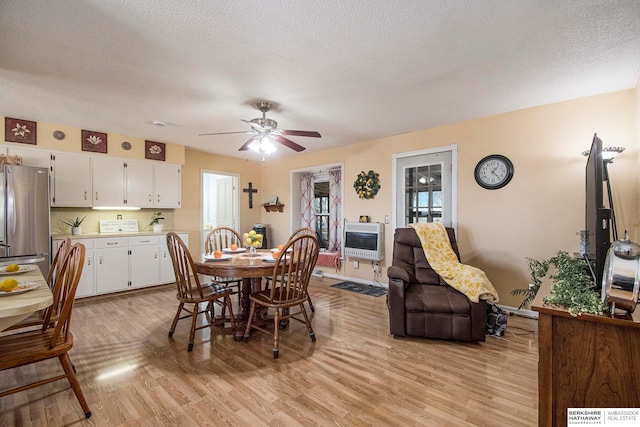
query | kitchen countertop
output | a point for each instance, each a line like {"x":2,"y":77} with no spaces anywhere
{"x":97,"y":235}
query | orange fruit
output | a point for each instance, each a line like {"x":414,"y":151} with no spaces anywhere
{"x":280,"y":247}
{"x":234,"y":247}
{"x":275,"y":255}
{"x":217,"y":254}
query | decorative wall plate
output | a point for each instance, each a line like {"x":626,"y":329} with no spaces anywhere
{"x":59,"y":135}
{"x":126,"y":146}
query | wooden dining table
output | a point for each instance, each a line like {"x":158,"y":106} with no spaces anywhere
{"x":250,"y":268}
{"x":16,"y":306}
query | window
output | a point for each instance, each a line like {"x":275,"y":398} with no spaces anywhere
{"x":423,"y":194}
{"x":321,"y":205}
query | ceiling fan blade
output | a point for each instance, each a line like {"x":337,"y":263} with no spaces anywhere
{"x":312,"y":134}
{"x":223,"y":133}
{"x":288,"y":143}
{"x":255,"y":126}
{"x":245,"y":146}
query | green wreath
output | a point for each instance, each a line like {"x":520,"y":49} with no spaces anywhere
{"x":367,"y":184}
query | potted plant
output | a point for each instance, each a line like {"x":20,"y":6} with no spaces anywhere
{"x":572,"y":285}
{"x":155,"y":222}
{"x":75,"y":225}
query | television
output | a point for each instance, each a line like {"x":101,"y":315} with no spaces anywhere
{"x":597,"y":217}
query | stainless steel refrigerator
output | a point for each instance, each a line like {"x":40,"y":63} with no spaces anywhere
{"x":24,"y":216}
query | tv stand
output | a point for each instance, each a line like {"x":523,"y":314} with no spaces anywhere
{"x":587,"y":361}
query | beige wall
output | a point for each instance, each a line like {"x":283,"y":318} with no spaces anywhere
{"x":536,"y":215}
{"x":72,"y":142}
{"x":189,"y":217}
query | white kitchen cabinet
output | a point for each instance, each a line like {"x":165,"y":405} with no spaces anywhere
{"x":144,"y":261}
{"x":31,"y":157}
{"x":139,"y":184}
{"x":86,"y":285}
{"x":108,"y":175}
{"x":71,"y":180}
{"x":112,"y":264}
{"x":115,"y":264}
{"x":117,"y":182}
{"x":167,"y":185}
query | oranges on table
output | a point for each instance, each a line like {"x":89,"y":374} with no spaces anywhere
{"x":275,"y":255}
{"x":12,"y":268}
{"x":7,"y":285}
{"x":234,"y":247}
{"x":280,"y":248}
{"x":217,"y":254}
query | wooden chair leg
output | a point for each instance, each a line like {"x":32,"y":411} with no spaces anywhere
{"x":73,"y":381}
{"x":194,"y":319}
{"x":276,"y":333}
{"x":227,"y":302}
{"x":310,"y":303}
{"x":175,"y":320}
{"x":306,"y":320}
{"x":247,"y":330}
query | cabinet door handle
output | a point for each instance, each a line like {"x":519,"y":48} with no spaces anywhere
{"x":158,"y":198}
{"x":112,"y":243}
{"x":96,"y":195}
{"x":150,"y":197}
{"x":100,"y":260}
{"x":155,"y":255}
{"x":85,"y":195}
{"x":144,"y":241}
{"x":88,"y":260}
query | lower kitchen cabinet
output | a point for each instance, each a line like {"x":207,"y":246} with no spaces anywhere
{"x":115,"y":264}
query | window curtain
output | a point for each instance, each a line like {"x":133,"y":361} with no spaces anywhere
{"x":335,"y":206}
{"x":307,"y":197}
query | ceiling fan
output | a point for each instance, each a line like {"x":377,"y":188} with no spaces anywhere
{"x":264,"y":132}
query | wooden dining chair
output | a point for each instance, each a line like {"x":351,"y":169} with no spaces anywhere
{"x":289,"y":282}
{"x":54,"y":339}
{"x":190,"y":291}
{"x":299,"y":232}
{"x":222,"y":238}
{"x":37,"y":318}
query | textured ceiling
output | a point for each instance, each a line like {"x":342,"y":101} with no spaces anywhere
{"x":353,"y":70}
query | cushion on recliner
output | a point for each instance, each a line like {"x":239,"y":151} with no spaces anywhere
{"x":435,"y":299}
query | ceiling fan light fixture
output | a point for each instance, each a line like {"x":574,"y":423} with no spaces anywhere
{"x":266,"y":146}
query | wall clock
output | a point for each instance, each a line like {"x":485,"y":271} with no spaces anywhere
{"x":493,"y":172}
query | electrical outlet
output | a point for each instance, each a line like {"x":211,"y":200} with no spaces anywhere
{"x":356,"y":264}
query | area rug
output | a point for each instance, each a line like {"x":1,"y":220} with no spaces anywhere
{"x":373,"y":291}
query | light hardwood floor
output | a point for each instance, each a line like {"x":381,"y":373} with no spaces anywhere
{"x":356,"y":374}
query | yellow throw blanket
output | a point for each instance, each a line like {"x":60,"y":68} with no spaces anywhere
{"x":469,"y":280}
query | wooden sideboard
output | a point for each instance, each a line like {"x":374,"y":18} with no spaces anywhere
{"x":586,"y":361}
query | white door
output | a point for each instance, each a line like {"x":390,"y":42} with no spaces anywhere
{"x":425,"y":187}
{"x":224,"y":202}
{"x":220,"y":201}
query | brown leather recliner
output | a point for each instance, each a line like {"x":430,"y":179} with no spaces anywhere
{"x":420,"y":302}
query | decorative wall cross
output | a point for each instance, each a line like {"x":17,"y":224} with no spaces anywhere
{"x":250,"y":190}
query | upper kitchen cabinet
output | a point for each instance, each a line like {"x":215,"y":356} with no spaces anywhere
{"x":139,"y":184}
{"x":71,"y":180}
{"x":31,"y":157}
{"x":167,"y":184}
{"x":108,"y":181}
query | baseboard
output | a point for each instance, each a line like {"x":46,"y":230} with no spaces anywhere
{"x":519,"y":312}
